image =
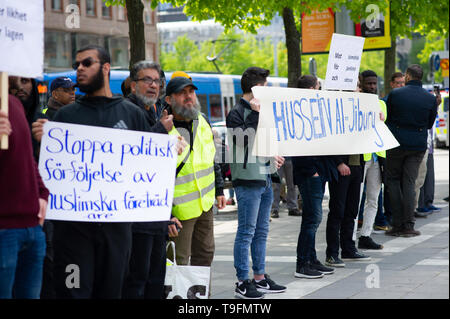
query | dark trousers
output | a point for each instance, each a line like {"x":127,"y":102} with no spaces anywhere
{"x":48,"y":289}
{"x":426,"y":196}
{"x":311,"y":190}
{"x":145,"y":279}
{"x":343,"y":205}
{"x":402,"y":168}
{"x":91,"y":259}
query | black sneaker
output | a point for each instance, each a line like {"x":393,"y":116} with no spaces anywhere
{"x":356,"y":256}
{"x":275,"y":214}
{"x":247,"y":290}
{"x":306,"y":271}
{"x":365,"y":242}
{"x":317,"y":265}
{"x":268,"y":286}
{"x":334,"y":262}
{"x":294,"y":212}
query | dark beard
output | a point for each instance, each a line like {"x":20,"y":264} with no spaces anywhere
{"x":95,"y":84}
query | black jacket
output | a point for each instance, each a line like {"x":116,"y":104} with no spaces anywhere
{"x":411,"y":111}
{"x":307,"y":166}
{"x":150,"y":115}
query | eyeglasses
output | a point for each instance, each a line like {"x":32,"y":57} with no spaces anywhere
{"x":149,"y":80}
{"x":86,"y":62}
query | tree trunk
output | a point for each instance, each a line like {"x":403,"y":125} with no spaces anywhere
{"x":389,"y":65}
{"x":135,"y":14}
{"x":293,"y":47}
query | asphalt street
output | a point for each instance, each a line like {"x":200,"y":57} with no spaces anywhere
{"x":406,"y":268}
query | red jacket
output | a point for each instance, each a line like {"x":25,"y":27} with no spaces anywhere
{"x":21,"y":185}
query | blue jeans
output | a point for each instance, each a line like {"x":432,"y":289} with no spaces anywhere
{"x":311,"y":190}
{"x":254,"y":204}
{"x":22,"y":252}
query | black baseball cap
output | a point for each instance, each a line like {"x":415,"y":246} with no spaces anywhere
{"x":61,"y":82}
{"x":176,"y":84}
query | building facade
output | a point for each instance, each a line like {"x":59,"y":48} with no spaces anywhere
{"x":72,"y":24}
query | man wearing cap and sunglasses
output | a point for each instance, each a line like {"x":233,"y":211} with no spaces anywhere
{"x":198,"y":179}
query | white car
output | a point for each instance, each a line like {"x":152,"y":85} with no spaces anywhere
{"x":441,"y":132}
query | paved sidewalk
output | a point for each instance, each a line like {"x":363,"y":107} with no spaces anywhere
{"x":407,"y":268}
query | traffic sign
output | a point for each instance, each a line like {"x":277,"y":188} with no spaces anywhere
{"x":437,"y":62}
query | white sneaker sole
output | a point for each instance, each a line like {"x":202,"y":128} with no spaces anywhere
{"x":299,"y":275}
{"x":357,"y":259}
{"x":266,"y":291}
{"x":240,"y":296}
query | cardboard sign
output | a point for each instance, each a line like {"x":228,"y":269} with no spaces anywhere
{"x":22,"y":37}
{"x":301,"y":122}
{"x":344,"y":60}
{"x":108,"y":175}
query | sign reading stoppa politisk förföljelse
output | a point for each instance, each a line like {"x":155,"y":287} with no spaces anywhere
{"x":301,"y":122}
{"x":22,"y":37}
{"x":108,"y":175}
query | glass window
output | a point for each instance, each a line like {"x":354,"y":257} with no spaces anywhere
{"x":121,"y":13}
{"x":83,"y":39}
{"x":118,"y":48}
{"x":90,"y":8}
{"x":57,"y":5}
{"x":215,"y":107}
{"x":106,"y":11}
{"x":58,"y":52}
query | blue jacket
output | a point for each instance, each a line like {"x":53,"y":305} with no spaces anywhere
{"x":411,"y":112}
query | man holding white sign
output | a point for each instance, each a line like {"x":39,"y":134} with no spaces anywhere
{"x":96,"y":254}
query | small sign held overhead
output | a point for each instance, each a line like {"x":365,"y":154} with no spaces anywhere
{"x":344,"y":60}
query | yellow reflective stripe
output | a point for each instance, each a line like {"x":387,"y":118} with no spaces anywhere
{"x":195,"y":195}
{"x":190,"y":177}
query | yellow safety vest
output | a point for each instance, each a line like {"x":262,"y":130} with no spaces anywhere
{"x":195,"y":183}
{"x":368,"y":156}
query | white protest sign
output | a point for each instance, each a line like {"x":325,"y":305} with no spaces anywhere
{"x":22,"y":37}
{"x":300,"y":122}
{"x":107,"y":175}
{"x":344,"y":60}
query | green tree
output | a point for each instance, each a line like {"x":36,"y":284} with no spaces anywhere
{"x":249,"y":15}
{"x":135,"y":13}
{"x":408,"y":17}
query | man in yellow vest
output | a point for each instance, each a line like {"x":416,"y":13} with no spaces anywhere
{"x":373,"y":165}
{"x":198,"y":180}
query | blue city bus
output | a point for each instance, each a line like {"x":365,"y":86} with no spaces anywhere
{"x":217,"y":93}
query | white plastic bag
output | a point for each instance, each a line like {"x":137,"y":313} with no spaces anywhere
{"x":186,"y":282}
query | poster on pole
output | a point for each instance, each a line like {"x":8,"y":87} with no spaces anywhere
{"x":22,"y":37}
{"x":344,"y":60}
{"x":317,"y":29}
{"x":97,"y":174}
{"x":301,"y":122}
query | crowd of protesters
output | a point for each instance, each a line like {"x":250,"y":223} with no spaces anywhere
{"x":128,"y":260}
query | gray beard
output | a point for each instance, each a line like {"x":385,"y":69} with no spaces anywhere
{"x":187,"y":114}
{"x":145,"y":99}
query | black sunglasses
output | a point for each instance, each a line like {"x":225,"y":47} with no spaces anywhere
{"x":86,"y":63}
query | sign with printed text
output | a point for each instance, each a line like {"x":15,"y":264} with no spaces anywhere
{"x":301,"y":122}
{"x":317,"y":29}
{"x":22,"y":37}
{"x":107,"y":175}
{"x":344,"y":60}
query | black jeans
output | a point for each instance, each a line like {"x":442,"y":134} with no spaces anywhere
{"x":343,"y":205}
{"x":402,"y":168}
{"x":93,"y":255}
{"x":145,"y":279}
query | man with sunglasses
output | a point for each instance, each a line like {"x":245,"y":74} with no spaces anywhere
{"x":100,"y":250}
